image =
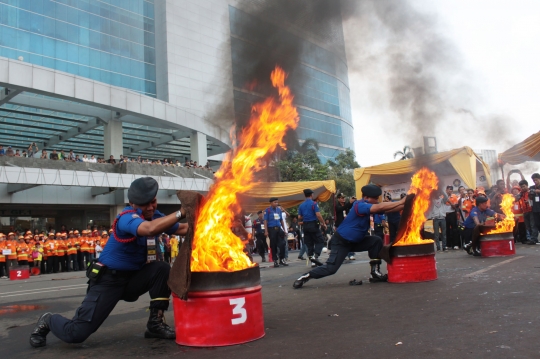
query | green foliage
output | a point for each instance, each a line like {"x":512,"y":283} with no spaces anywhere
{"x":301,"y":163}
{"x":405,"y":154}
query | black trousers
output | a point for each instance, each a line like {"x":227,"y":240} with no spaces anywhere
{"x":80,"y":260}
{"x":52,"y":264}
{"x":340,"y":250}
{"x":314,"y":241}
{"x":63,"y":263}
{"x":520,"y":232}
{"x":260,"y":244}
{"x":102,"y":296}
{"x":3,"y":269}
{"x":72,"y":262}
{"x":276,"y":241}
{"x":378,"y":231}
{"x":452,"y":234}
{"x":393,"y":228}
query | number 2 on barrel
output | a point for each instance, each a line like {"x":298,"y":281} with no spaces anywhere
{"x":238,"y":309}
{"x":19,"y":273}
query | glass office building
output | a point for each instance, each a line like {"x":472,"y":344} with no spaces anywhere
{"x":319,"y":84}
{"x":111,"y":41}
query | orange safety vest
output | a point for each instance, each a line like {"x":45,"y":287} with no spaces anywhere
{"x":62,"y":248}
{"x":11,"y":244}
{"x":22,"y":251}
{"x":71,"y":246}
{"x":84,"y":244}
{"x":50,"y":247}
{"x":92,"y":244}
{"x":2,"y":246}
{"x":452,"y":200}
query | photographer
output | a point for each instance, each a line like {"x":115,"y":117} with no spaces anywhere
{"x":32,"y":150}
{"x":534,"y":196}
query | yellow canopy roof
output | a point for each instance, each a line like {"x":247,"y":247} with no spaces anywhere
{"x":528,"y":150}
{"x":290,"y":194}
{"x":461,"y":161}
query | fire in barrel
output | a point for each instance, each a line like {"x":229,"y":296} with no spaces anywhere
{"x":499,"y":241}
{"x":413,"y":258}
{"x":224,"y":305}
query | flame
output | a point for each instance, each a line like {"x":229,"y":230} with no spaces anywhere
{"x":215,"y":247}
{"x":423,"y":183}
{"x":507,"y":224}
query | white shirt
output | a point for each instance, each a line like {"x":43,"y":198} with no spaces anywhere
{"x":92,"y":160}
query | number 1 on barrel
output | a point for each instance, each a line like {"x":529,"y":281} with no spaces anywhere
{"x":238,"y":309}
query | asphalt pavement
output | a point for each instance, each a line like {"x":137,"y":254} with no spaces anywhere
{"x":478,"y":308}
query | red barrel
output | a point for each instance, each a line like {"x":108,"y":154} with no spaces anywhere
{"x":497,"y":245}
{"x":412,"y":269}
{"x":19,"y":273}
{"x":219,"y":318}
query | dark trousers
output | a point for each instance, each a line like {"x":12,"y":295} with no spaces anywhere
{"x":314,"y":241}
{"x":260,"y":240}
{"x":80,"y":260}
{"x":23,"y":263}
{"x":378,"y":231}
{"x":520,"y":232}
{"x":52,"y":264}
{"x":88,"y":257}
{"x":393,"y":228}
{"x":276,"y":241}
{"x":102,"y":296}
{"x":72,"y":262}
{"x":3,"y":269}
{"x":63,"y":263}
{"x":167,"y":256}
{"x":452,"y":234}
{"x":340,"y":250}
{"x":535,"y":226}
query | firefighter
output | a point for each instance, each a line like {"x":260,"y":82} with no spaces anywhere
{"x":352,"y":235}
{"x":50,"y":247}
{"x":310,"y":217}
{"x":11,"y":248}
{"x":3,"y":267}
{"x":22,"y":252}
{"x":72,"y":252}
{"x":260,"y":238}
{"x":126,"y":270}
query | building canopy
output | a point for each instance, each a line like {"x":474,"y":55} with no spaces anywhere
{"x":290,"y":194}
{"x":527,"y":150}
{"x":461,"y":161}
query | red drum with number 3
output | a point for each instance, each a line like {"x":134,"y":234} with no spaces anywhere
{"x":223,"y":308}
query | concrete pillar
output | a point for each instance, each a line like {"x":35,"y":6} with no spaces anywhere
{"x":113,"y":141}
{"x":199,"y":153}
{"x":115,"y":211}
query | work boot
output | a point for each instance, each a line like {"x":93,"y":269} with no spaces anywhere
{"x":283,"y":263}
{"x":263,"y":259}
{"x":300,"y":281}
{"x":276,"y":264}
{"x":476,"y":253}
{"x":301,"y":258}
{"x":376,"y":275}
{"x":156,"y":326}
{"x":38,"y":338}
{"x":315,"y":261}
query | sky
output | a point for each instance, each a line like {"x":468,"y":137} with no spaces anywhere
{"x":496,"y":47}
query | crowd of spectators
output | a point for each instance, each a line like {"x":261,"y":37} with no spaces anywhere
{"x":33,"y":151}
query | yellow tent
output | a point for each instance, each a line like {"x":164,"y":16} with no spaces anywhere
{"x":461,"y":161}
{"x":290,"y":194}
{"x":528,"y":150}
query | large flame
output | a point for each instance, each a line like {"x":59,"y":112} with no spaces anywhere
{"x":423,"y":183}
{"x":215,"y":247}
{"x":507,"y":224}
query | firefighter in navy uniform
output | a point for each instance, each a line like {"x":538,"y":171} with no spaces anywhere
{"x":260,"y":238}
{"x":310,"y":217}
{"x":352,"y":235}
{"x":126,"y":270}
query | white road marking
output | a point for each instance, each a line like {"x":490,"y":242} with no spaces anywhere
{"x":492,"y":266}
{"x":44,"y":290}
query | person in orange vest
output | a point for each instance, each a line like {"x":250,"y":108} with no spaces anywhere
{"x":22,"y":252}
{"x":28,"y":239}
{"x":104,"y":239}
{"x":92,"y":244}
{"x":87,"y":246}
{"x":77,"y":241}
{"x":41,"y":241}
{"x":11,"y":250}
{"x":3,"y":268}
{"x":61,"y":252}
{"x":50,"y":250}
{"x":72,"y":252}
{"x":452,"y":234}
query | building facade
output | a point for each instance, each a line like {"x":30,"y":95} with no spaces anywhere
{"x":151,"y":78}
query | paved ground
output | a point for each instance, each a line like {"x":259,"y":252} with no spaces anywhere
{"x":478,"y":308}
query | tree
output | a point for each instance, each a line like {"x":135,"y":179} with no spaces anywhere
{"x":405,"y":154}
{"x":342,"y":172}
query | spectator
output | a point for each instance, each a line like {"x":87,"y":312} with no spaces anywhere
{"x":2,"y":151}
{"x":160,"y":249}
{"x":92,"y":159}
{"x":62,"y":155}
{"x":85,"y":158}
{"x":9,"y":152}
{"x":44,"y":155}
{"x":437,"y":213}
{"x":24,"y":154}
{"x":98,"y":249}
{"x":77,"y":159}
{"x":54,"y":156}
{"x":139,"y":159}
{"x":17,"y":153}
{"x":111,"y":160}
{"x":178,"y":164}
{"x":534,"y":195}
{"x":32,"y":149}
{"x":71,"y":156}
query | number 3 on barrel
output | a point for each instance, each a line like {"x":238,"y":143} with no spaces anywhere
{"x":238,"y":309}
